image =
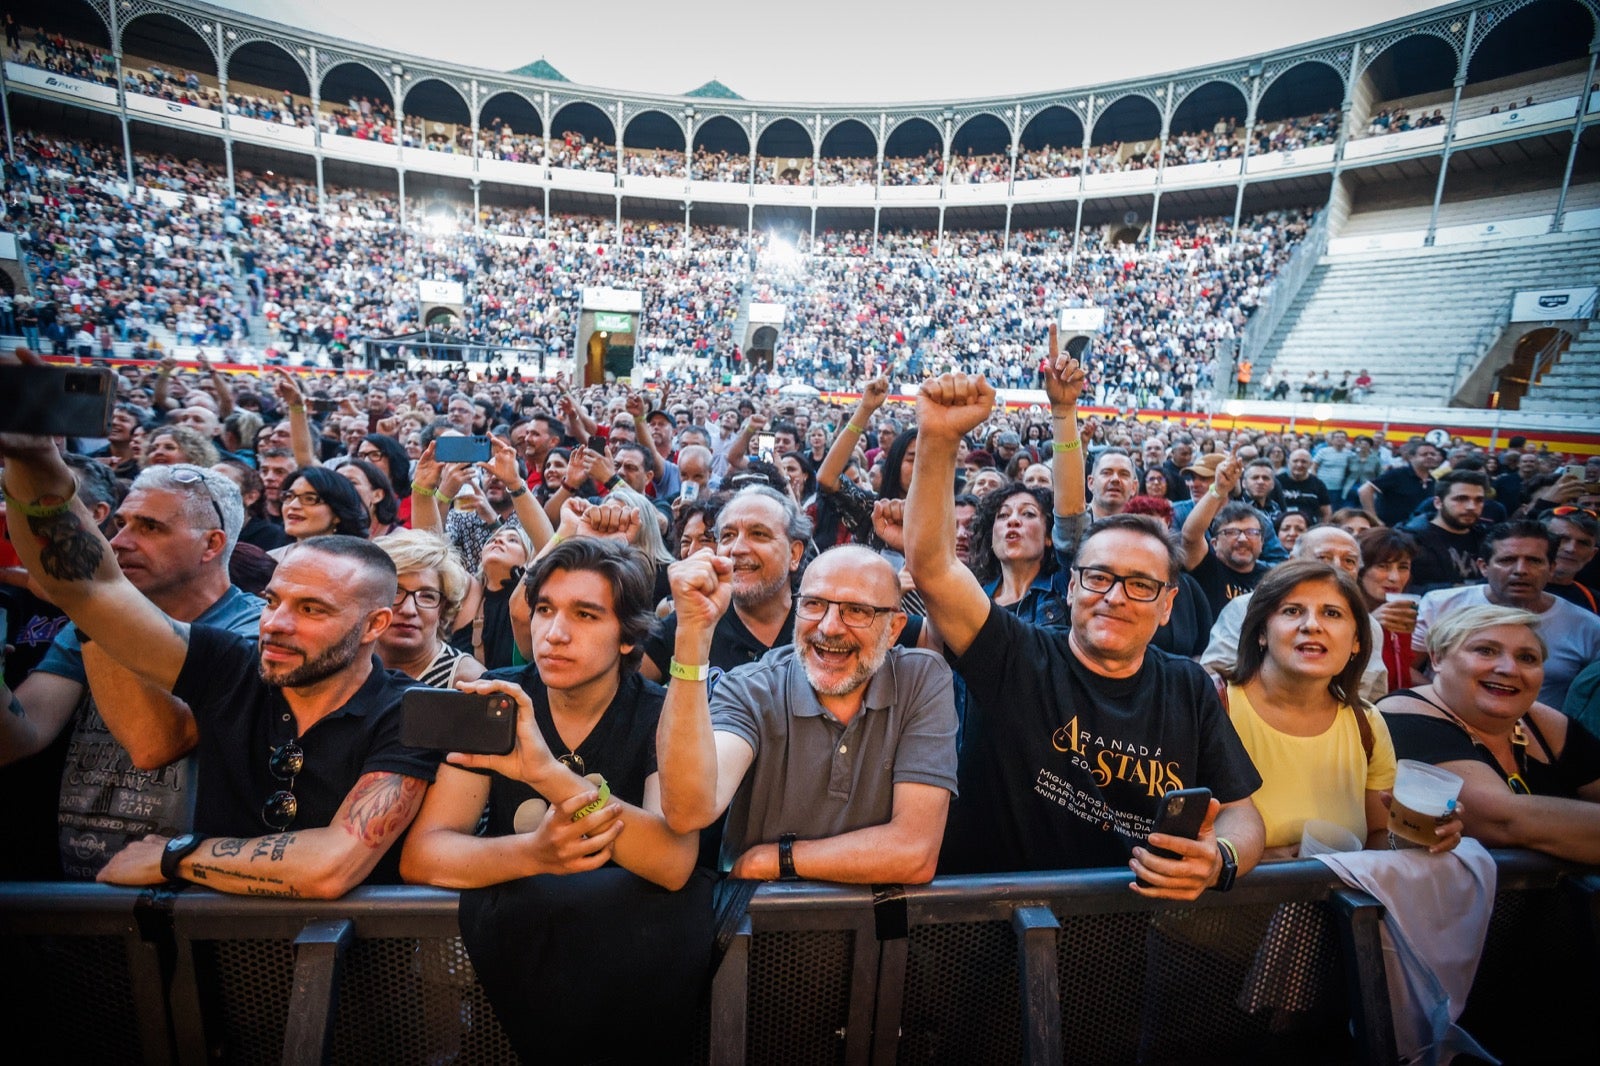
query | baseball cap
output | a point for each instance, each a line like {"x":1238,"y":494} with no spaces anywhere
{"x":1205,"y":466}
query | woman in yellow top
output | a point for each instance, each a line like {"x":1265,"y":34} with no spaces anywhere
{"x":1292,"y":697}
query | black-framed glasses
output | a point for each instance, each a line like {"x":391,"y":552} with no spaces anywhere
{"x":1136,"y":588}
{"x":189,"y":476}
{"x":854,"y":615}
{"x":285,"y":762}
{"x":427,"y":599}
{"x":304,"y":499}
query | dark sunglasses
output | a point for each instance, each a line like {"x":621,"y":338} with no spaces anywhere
{"x":285,"y":762}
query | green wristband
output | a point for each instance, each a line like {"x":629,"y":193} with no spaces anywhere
{"x":589,"y":808}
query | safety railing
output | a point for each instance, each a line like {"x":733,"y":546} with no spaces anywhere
{"x":1046,"y":967}
{"x":1285,"y":286}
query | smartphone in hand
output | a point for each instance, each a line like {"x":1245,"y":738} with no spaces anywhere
{"x":461,"y":449}
{"x":1181,"y":814}
{"x":446,"y":720}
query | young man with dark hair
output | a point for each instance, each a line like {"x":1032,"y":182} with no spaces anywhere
{"x":1448,"y":540}
{"x":575,"y":855}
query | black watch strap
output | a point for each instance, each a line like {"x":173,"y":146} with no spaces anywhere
{"x":178,"y":849}
{"x":1230,"y":866}
{"x":786,"y":858}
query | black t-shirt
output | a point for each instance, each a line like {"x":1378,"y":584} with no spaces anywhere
{"x":1222,"y":583}
{"x":1444,"y":558}
{"x":1188,"y":631}
{"x":621,"y":747}
{"x":1438,"y":740}
{"x":264,"y":533}
{"x":241,"y":719}
{"x":1062,"y":768}
{"x":1399,"y":492}
{"x":1308,"y":497}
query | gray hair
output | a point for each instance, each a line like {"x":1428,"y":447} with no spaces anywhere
{"x":200,"y":488}
{"x":796,"y":525}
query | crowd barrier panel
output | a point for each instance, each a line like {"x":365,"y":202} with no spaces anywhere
{"x":1039,"y":967}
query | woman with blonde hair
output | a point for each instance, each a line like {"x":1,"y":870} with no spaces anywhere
{"x":177,"y":444}
{"x":1532,"y":775}
{"x":432,"y":586}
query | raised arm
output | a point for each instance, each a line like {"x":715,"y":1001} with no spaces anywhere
{"x":322,"y":863}
{"x":738,"y":453}
{"x":224,"y":391}
{"x":503,"y":465}
{"x":76,"y":569}
{"x":700,"y":769}
{"x":294,"y":401}
{"x":1063,"y":383}
{"x":873,"y":393}
{"x":425,"y":496}
{"x":641,"y":433}
{"x":947,"y":407}
{"x":1205,"y":510}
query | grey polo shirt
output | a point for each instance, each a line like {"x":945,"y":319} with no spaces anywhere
{"x":816,"y":777}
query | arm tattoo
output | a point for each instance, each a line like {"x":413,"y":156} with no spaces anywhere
{"x":227,"y":847}
{"x":380,"y":805}
{"x":67,"y":551}
{"x":271,"y":847}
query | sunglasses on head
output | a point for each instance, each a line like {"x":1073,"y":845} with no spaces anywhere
{"x":188,"y":476}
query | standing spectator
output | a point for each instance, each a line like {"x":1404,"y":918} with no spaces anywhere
{"x":1230,"y":564}
{"x":1303,"y":492}
{"x":1448,"y":542}
{"x":1392,"y":496}
{"x":1577,"y":530}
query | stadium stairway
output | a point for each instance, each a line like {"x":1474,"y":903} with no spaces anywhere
{"x":1573,"y":382}
{"x":1415,"y":319}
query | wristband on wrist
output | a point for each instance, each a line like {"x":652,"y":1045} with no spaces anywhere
{"x":852,"y":425}
{"x":298,"y":407}
{"x":1066,"y":445}
{"x":555,"y":538}
{"x":589,"y":808}
{"x":786,"y":870}
{"x":688,"y":671}
{"x":41,"y":510}
{"x":1213,"y":491}
{"x":613,"y":481}
{"x":518,"y":493}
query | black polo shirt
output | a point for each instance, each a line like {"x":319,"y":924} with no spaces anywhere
{"x":241,"y":719}
{"x":731,"y":645}
{"x":1399,"y":492}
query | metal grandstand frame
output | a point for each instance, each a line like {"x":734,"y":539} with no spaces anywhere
{"x":1463,"y":27}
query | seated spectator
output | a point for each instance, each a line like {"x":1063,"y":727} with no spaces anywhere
{"x":1322,"y":752}
{"x":1532,"y":775}
{"x":840,"y":688}
{"x":563,"y":871}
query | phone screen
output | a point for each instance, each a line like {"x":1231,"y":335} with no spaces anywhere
{"x":765,"y":442}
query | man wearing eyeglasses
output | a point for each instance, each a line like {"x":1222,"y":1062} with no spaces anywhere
{"x":1072,"y":737}
{"x":1230,"y":565}
{"x":298,"y":736}
{"x":835,"y":755}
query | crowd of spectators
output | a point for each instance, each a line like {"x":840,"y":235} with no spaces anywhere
{"x":1400,"y":120}
{"x":213,"y":267}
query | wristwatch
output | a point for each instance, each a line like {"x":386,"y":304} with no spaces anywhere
{"x":1230,"y":866}
{"x":178,"y":849}
{"x":786,"y":858}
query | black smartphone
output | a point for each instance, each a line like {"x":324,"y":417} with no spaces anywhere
{"x":320,"y":405}
{"x":597,"y":444}
{"x":1180,"y":815}
{"x":461,"y":449}
{"x":57,"y":401}
{"x":446,"y":720}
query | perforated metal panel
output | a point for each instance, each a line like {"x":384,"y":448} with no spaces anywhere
{"x":1203,"y":985}
{"x":961,"y":1002}
{"x":1508,"y":991}
{"x":799,"y":997}
{"x":69,"y":997}
{"x":252,"y":979}
{"x":408,"y":1000}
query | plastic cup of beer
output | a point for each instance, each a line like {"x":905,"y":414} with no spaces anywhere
{"x":1320,"y":837}
{"x":1424,"y":796}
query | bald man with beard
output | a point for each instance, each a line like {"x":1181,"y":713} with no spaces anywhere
{"x":835,"y":755}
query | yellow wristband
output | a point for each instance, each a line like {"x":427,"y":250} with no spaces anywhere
{"x":41,"y":510}
{"x":686,"y":672}
{"x":555,"y":538}
{"x":589,"y":808}
{"x":852,"y":425}
{"x":1067,"y":445}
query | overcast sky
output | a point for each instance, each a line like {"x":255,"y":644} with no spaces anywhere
{"x":834,"y":51}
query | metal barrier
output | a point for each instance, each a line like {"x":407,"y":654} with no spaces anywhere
{"x":1046,"y":967}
